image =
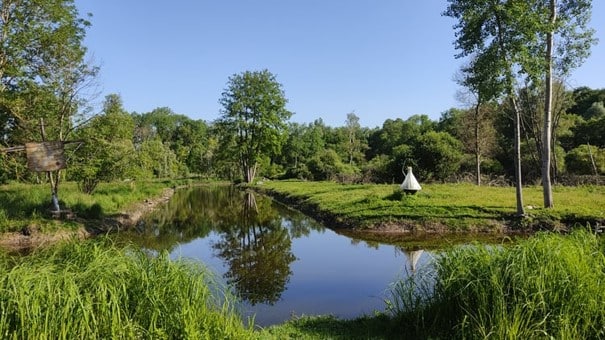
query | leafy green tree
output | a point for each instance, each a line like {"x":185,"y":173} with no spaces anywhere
{"x":328,"y":165}
{"x":42,"y":73}
{"x":438,"y":155}
{"x":253,"y":119}
{"x":596,"y":110}
{"x":354,"y":144}
{"x":590,"y":132}
{"x":517,"y":37}
{"x":397,"y":132}
{"x":156,"y":160}
{"x":475,"y":129}
{"x":586,"y":160}
{"x":107,"y":152}
{"x":37,"y":37}
{"x":583,"y":98}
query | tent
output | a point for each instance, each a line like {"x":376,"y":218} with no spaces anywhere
{"x":410,"y":184}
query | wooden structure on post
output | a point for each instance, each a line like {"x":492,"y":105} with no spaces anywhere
{"x":46,"y":156}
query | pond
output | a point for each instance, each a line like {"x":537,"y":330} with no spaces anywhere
{"x":280,"y":262}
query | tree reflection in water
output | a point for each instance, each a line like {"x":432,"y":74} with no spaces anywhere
{"x":257,"y":251}
{"x":251,"y":235}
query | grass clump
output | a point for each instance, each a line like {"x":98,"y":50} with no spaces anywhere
{"x":548,"y":286}
{"x":92,"y":291}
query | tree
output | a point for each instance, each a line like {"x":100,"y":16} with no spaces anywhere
{"x":475,"y":129}
{"x":584,"y":98}
{"x":253,"y":118}
{"x":438,"y":155}
{"x":567,"y":20}
{"x":586,"y":159}
{"x":107,"y":152}
{"x":353,"y":127}
{"x":517,"y":37}
{"x":42,"y":72}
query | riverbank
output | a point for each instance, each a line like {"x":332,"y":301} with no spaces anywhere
{"x":438,"y":208}
{"x":26,"y":223}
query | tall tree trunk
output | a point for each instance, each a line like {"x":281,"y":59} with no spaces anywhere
{"x":477,"y":144}
{"x":547,"y":128}
{"x":250,"y":172}
{"x":518,"y":180}
{"x":510,"y":89}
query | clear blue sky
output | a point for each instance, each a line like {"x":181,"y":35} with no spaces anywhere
{"x":381,"y":59}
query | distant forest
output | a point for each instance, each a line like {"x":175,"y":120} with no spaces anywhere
{"x":119,"y":145}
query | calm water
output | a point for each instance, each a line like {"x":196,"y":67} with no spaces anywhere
{"x":280,"y":262}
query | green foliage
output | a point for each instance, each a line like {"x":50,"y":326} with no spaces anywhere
{"x":584,"y":97}
{"x":42,"y":70}
{"x":328,"y":165}
{"x":547,"y":286}
{"x":156,"y":160}
{"x":580,"y":160}
{"x":596,"y":110}
{"x":253,"y":119}
{"x":438,"y":155}
{"x":107,"y":152}
{"x":98,"y":291}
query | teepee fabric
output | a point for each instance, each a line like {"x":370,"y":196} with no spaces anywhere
{"x":410,"y":183}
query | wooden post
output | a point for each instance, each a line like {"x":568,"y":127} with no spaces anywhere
{"x":54,"y":183}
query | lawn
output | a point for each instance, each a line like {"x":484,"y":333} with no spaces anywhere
{"x":458,"y":206}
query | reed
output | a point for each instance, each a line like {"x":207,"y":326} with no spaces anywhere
{"x":548,"y":286}
{"x":92,"y":290}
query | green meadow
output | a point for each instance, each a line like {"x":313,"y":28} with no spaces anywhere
{"x":441,"y":207}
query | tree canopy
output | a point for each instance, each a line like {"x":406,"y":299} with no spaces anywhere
{"x":253,"y":121}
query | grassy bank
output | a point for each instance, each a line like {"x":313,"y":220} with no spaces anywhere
{"x":92,"y":291}
{"x":24,"y":205}
{"x":549,"y":286}
{"x":452,"y":207}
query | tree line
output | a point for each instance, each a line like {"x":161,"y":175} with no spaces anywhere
{"x":119,"y":145}
{"x":45,"y":77}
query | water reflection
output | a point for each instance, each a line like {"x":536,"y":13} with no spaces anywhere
{"x":279,"y":261}
{"x":258,"y":253}
{"x":254,"y":236}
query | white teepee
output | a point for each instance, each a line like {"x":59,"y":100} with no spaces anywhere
{"x":410,"y":184}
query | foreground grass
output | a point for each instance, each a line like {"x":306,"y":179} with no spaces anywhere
{"x":28,"y":204}
{"x":549,"y":286}
{"x":455,"y":206}
{"x":92,"y":291}
{"x":546,"y":287}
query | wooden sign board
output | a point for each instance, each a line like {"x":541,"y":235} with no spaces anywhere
{"x":45,"y":156}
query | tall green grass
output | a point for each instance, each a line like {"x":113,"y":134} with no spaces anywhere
{"x":94,"y":291}
{"x":29,"y":204}
{"x":548,"y":286}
